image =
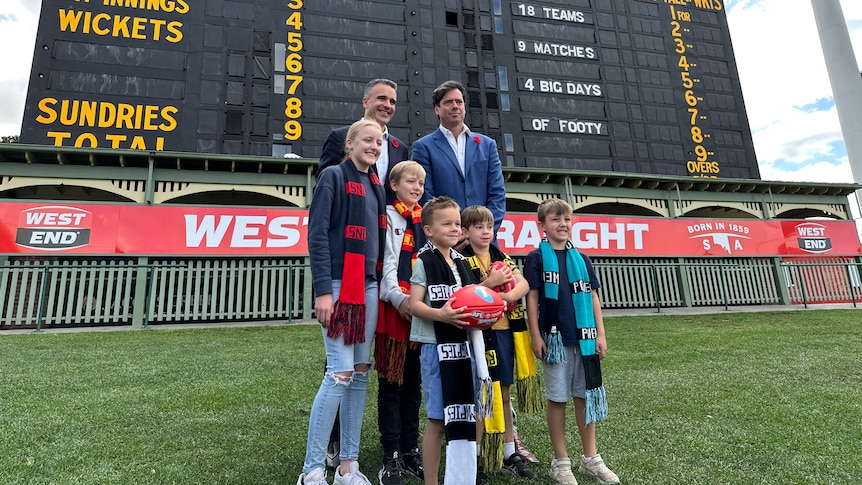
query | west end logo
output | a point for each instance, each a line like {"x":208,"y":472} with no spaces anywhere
{"x":53,"y":228}
{"x":812,"y":238}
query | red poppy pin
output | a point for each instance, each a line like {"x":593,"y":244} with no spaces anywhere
{"x":395,"y":143}
{"x":477,"y":139}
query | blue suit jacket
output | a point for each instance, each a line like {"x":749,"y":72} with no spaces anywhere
{"x":333,"y":154}
{"x":481,"y":185}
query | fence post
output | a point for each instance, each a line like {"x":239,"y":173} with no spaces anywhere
{"x":290,"y":293}
{"x":42,"y":293}
{"x":723,"y":285}
{"x":655,"y":289}
{"x":801,"y":278}
{"x":307,"y":293}
{"x":140,"y":300}
{"x":781,"y":282}
{"x":684,"y":283}
{"x":850,"y":283}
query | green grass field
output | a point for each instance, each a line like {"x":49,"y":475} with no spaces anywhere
{"x":770,"y":398}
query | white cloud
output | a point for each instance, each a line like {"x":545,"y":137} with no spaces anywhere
{"x":781,"y":70}
{"x":18,"y":23}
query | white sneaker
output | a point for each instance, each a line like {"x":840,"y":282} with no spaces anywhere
{"x":597,"y":468}
{"x":561,"y":471}
{"x":355,"y":477}
{"x":315,"y":477}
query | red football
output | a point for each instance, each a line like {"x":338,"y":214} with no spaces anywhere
{"x":507,"y":286}
{"x":484,"y":306}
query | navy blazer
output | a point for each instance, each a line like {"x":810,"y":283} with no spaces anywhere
{"x":482,"y":184}
{"x":333,"y":154}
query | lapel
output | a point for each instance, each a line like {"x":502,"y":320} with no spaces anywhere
{"x":470,"y":152}
{"x":444,"y":147}
{"x":395,"y":154}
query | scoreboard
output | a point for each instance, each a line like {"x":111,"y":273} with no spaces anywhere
{"x":643,"y":86}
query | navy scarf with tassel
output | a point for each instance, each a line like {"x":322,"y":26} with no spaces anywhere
{"x":582,"y":299}
{"x":456,"y":375}
{"x":348,"y":317}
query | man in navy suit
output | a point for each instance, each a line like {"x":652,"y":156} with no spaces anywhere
{"x":379,"y":103}
{"x":459,"y":163}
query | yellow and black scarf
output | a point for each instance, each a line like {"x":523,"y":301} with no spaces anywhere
{"x":528,"y":385}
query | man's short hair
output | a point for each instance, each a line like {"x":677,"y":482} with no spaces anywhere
{"x":375,"y":82}
{"x":436,"y":204}
{"x":407,"y":167}
{"x":476,"y":214}
{"x":553,"y":207}
{"x":444,"y":88}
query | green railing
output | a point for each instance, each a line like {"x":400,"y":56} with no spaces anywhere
{"x":139,"y":292}
{"x":824,"y":282}
{"x":145,"y":291}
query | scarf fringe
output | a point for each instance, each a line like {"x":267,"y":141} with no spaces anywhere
{"x":554,"y":343}
{"x":485,"y":398}
{"x":347,"y":319}
{"x":389,"y":356}
{"x":597,"y":405}
{"x":491,"y":457}
{"x":530,"y":399}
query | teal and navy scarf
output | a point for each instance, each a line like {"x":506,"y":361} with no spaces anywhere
{"x":348,"y":317}
{"x":582,"y":299}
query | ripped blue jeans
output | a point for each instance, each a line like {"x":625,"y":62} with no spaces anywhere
{"x":348,"y":394}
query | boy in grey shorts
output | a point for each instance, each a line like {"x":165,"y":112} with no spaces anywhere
{"x":568,"y":334}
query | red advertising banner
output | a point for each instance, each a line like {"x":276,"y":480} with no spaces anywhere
{"x":57,"y":228}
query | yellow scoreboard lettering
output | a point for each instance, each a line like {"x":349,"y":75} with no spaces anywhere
{"x":104,"y":114}
{"x":120,"y":26}
{"x":293,"y":64}
{"x":170,"y":6}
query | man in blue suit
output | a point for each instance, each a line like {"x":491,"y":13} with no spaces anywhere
{"x":459,"y":163}
{"x":379,"y":102}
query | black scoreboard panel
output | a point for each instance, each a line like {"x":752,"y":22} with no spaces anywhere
{"x":646,"y":86}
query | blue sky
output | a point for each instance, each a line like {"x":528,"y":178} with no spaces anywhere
{"x":787,"y":93}
{"x":786,"y":88}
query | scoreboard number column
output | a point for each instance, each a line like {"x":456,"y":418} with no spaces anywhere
{"x":293,"y":66}
{"x":704,"y":163}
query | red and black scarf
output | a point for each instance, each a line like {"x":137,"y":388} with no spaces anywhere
{"x":348,"y":317}
{"x":393,"y":332}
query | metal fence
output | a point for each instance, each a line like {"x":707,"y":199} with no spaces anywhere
{"x":79,"y":292}
{"x":141,"y":291}
{"x":827,"y":280}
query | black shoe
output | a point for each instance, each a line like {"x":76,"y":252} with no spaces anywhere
{"x":411,"y":464}
{"x":390,"y":474}
{"x":515,"y":466}
{"x":333,"y":449}
{"x":481,"y":476}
